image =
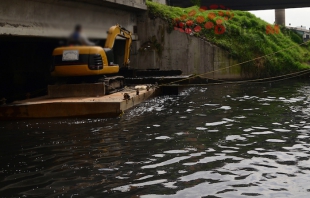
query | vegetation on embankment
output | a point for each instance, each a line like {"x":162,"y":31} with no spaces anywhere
{"x":242,"y":34}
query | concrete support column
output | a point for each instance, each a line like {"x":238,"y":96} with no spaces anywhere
{"x":280,"y":16}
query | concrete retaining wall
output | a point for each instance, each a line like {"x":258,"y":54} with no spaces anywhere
{"x":181,"y":51}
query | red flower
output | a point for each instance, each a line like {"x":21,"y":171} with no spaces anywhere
{"x":197,"y":28}
{"x":219,"y":21}
{"x":276,"y":29}
{"x":183,"y":17}
{"x":203,"y":8}
{"x":269,"y":29}
{"x":181,"y":30}
{"x":209,"y":25}
{"x":214,"y":7}
{"x":192,"y":13}
{"x":188,"y":30}
{"x":176,"y":22}
{"x":181,"y":25}
{"x":222,"y":7}
{"x":219,"y":29}
{"x":211,"y":15}
{"x":200,"y":19}
{"x":189,"y":23}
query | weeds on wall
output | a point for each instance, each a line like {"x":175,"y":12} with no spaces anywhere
{"x":152,"y":45}
{"x":242,"y":34}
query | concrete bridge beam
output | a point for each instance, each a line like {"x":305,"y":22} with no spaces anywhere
{"x":56,"y":18}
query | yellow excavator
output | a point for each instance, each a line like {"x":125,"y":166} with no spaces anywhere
{"x":92,"y":62}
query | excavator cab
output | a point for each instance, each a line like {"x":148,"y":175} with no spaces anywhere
{"x":90,"y":60}
{"x":110,"y":56}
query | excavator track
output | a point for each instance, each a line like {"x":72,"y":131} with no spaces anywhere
{"x":114,"y":84}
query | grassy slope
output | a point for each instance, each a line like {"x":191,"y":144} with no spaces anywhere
{"x":245,"y":38}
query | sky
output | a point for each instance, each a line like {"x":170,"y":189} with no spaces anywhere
{"x":295,"y":17}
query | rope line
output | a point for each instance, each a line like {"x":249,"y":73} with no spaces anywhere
{"x":263,"y":80}
{"x":236,"y":65}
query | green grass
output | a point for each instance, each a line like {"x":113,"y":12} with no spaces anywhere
{"x":245,"y":38}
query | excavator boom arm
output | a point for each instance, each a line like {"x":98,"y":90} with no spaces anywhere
{"x":115,"y":31}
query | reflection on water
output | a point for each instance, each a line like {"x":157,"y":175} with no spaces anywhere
{"x":217,"y":141}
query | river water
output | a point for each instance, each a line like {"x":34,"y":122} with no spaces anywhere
{"x":216,"y":141}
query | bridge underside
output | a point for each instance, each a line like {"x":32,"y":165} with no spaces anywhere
{"x":247,"y":4}
{"x":31,"y":29}
{"x":56,"y":18}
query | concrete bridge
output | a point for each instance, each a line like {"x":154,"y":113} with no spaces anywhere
{"x":246,"y":4}
{"x":56,"y":18}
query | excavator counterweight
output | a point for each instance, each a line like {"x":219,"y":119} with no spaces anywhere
{"x":91,"y":60}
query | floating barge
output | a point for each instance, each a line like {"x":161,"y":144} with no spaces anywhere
{"x":104,"y":106}
{"x":88,"y":100}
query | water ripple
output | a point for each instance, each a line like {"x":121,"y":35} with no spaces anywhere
{"x":219,"y":141}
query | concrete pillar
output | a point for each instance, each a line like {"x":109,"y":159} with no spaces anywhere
{"x":280,"y":16}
